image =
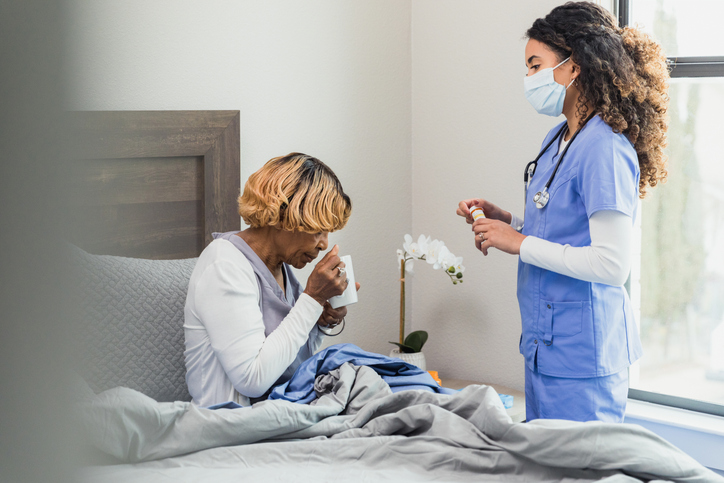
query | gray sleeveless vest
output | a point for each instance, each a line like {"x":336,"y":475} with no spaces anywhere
{"x":273,"y":303}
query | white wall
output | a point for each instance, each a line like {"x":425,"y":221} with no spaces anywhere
{"x":472,"y":134}
{"x":328,"y":78}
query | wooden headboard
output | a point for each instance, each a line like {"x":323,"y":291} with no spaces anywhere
{"x":153,"y":184}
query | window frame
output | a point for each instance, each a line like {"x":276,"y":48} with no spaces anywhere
{"x":704,"y":66}
{"x":691,"y":67}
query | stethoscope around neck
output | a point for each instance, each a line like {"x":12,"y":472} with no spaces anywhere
{"x":541,"y":198}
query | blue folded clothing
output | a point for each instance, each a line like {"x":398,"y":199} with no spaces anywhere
{"x":399,"y":375}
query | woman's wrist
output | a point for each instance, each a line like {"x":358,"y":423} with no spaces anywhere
{"x":316,"y":298}
{"x":329,"y":329}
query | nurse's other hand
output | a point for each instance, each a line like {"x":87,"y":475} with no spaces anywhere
{"x":496,"y":234}
{"x":491,"y":211}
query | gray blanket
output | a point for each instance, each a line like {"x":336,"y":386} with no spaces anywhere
{"x":357,"y":430}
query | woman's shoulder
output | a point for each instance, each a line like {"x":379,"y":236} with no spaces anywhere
{"x":222,"y":252}
{"x":221,"y":248}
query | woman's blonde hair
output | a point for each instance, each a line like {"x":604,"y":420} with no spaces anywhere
{"x":295,"y":192}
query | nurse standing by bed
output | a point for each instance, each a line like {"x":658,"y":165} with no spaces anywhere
{"x":249,"y":323}
{"x":578,"y":331}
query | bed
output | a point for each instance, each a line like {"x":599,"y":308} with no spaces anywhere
{"x":152,"y":186}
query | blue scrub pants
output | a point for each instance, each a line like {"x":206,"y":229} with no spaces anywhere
{"x":588,"y":399}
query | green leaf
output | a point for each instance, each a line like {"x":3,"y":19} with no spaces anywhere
{"x":416,"y":340}
{"x":404,"y":348}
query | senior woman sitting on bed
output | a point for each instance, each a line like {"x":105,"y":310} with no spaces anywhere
{"x":248,"y":322}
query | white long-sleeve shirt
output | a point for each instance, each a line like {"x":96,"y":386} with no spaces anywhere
{"x":228,"y":357}
{"x":607,"y":260}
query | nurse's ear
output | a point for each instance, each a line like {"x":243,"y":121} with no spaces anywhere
{"x":575,"y":72}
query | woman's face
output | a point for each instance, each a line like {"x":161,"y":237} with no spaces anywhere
{"x":299,"y":248}
{"x":539,"y":56}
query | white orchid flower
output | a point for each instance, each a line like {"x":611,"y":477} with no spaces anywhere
{"x":442,"y":255}
{"x":418,"y":250}
{"x":415,"y":251}
{"x":424,"y":244}
{"x":447,"y":260}
{"x":433,"y":253}
{"x":407,"y":246}
{"x":412,"y":249}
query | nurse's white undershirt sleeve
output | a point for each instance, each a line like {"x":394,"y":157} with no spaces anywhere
{"x":227,"y":301}
{"x":516,"y":223}
{"x":607,"y":260}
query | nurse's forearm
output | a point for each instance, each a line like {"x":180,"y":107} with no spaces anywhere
{"x":607,"y":260}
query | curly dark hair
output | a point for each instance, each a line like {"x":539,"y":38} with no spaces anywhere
{"x":624,"y":77}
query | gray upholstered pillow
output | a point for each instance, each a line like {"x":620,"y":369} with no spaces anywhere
{"x":132,"y":324}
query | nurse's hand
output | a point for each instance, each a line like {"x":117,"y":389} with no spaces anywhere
{"x":496,"y":234}
{"x":491,"y":211}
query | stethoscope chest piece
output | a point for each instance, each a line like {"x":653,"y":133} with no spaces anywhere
{"x":541,"y":199}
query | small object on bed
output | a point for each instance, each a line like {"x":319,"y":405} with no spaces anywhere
{"x":436,"y":377}
{"x":507,"y":400}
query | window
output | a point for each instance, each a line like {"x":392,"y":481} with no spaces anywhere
{"x":677,"y":286}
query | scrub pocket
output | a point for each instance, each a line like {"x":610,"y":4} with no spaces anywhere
{"x":567,"y":345}
{"x":559,"y":318}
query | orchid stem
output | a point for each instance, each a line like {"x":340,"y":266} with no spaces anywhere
{"x":402,"y":301}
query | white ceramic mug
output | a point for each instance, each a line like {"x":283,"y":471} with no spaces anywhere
{"x":349,"y":296}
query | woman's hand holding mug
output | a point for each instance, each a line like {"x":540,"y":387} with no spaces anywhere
{"x":327,"y":280}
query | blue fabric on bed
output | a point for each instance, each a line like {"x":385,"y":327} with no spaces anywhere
{"x":227,"y":405}
{"x":399,"y":375}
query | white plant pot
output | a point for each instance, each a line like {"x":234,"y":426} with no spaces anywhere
{"x":414,"y":358}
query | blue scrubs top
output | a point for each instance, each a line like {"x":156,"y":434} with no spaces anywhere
{"x":573,"y":328}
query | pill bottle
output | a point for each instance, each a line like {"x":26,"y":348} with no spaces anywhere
{"x":476,"y":213}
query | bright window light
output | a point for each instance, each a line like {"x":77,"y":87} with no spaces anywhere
{"x":685,"y":28}
{"x":677,"y":282}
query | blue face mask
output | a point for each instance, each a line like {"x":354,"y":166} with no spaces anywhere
{"x":544,"y":93}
